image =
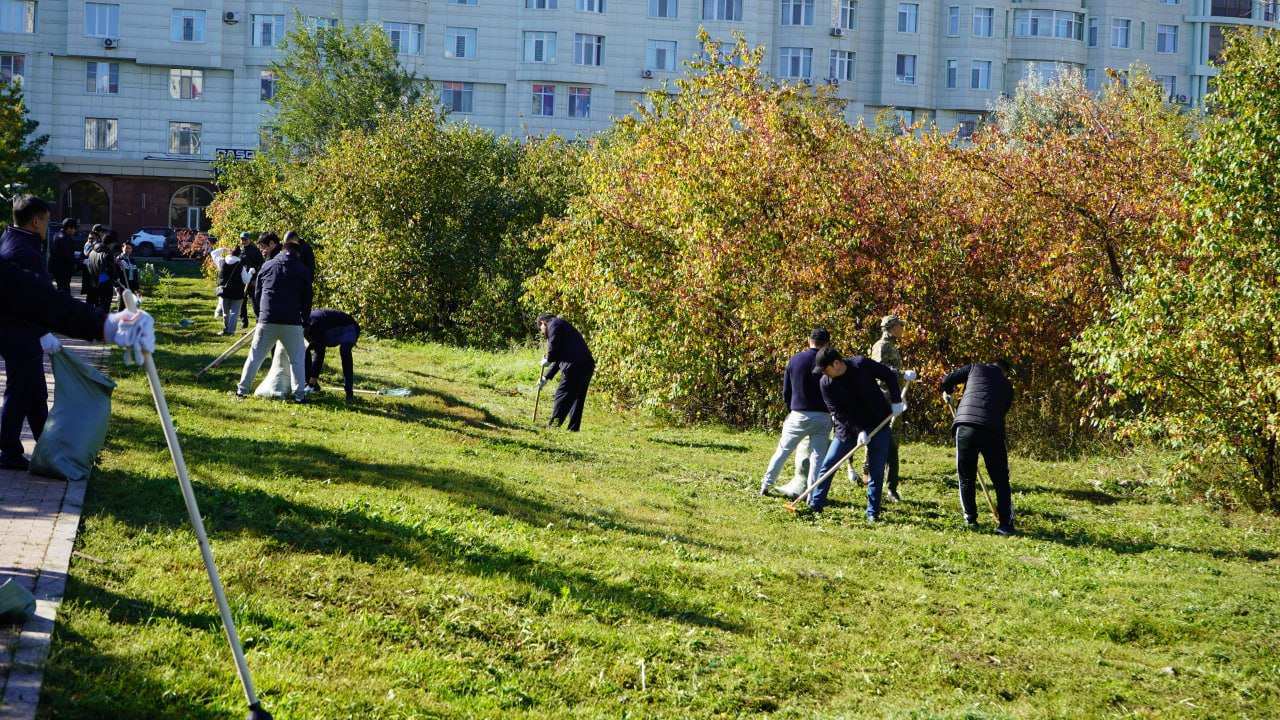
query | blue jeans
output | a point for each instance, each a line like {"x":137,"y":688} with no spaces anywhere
{"x":877,"y":456}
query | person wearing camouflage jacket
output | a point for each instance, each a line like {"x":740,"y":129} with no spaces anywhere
{"x":885,"y":351}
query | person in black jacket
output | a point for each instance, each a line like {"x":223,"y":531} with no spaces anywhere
{"x":331,"y":328}
{"x":305,"y":253}
{"x":252,"y":258}
{"x":808,"y":417}
{"x":104,"y":273}
{"x":979,"y":429}
{"x":858,"y":407}
{"x":129,"y":275}
{"x":568,"y":354}
{"x":284,"y":294}
{"x":62,"y":255}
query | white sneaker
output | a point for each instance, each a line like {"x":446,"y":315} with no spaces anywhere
{"x":765,"y":484}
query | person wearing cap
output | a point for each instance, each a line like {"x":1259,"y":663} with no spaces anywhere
{"x":807,"y":418}
{"x":885,"y":351}
{"x":568,"y":354}
{"x":980,"y":430}
{"x":851,"y":391}
{"x":62,"y":255}
{"x":252,"y":259}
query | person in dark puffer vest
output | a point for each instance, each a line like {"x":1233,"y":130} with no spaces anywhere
{"x":980,"y":430}
{"x":568,"y":354}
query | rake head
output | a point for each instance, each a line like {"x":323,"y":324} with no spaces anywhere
{"x":791,"y":506}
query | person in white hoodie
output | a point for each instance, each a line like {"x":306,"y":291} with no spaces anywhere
{"x":233,"y":276}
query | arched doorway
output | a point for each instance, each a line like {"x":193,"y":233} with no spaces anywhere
{"x":87,"y":202}
{"x":187,"y":208}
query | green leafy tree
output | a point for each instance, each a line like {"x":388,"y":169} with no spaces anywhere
{"x":21,"y":148}
{"x":1191,"y":353}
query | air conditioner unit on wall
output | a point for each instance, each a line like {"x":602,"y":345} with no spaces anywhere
{"x":1183,"y":99}
{"x":231,"y":17}
{"x":646,"y":74}
{"x":837,"y":32}
{"x":833,"y":81}
{"x":110,"y":43}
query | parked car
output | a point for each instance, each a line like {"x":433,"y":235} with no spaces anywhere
{"x":155,"y":241}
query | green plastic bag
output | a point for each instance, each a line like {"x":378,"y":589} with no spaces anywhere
{"x":16,"y":603}
{"x":77,"y":425}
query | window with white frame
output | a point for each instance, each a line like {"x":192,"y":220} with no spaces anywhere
{"x":406,"y":38}
{"x":540,"y":5}
{"x":730,"y":10}
{"x":187,"y":25}
{"x":184,"y":138}
{"x":458,"y":97}
{"x":320,"y":22}
{"x":1091,"y":79}
{"x":1120,"y":32}
{"x":840,"y":67}
{"x":848,"y":14}
{"x":539,"y":47}
{"x":1048,"y":23}
{"x":101,"y":134}
{"x":592,"y":6}
{"x":268,"y":30}
{"x":953,"y":20}
{"x":580,"y":102}
{"x":1166,"y":38}
{"x":908,"y":17}
{"x":953,"y":73}
{"x":980,"y":75}
{"x":664,"y":8}
{"x":1170,"y":85}
{"x":186,"y":84}
{"x":102,"y":20}
{"x":1170,"y":2}
{"x":462,"y":2}
{"x":965,"y":128}
{"x":660,"y":55}
{"x":984,"y":22}
{"x":588,"y":49}
{"x":12,"y":67}
{"x":906,"y":117}
{"x":544,"y":100}
{"x":795,"y":63}
{"x":102,"y":78}
{"x":906,"y":69}
{"x":459,"y":42}
{"x":1068,"y":25}
{"x":797,"y":12}
{"x":17,"y":16}
{"x":267,"y":85}
{"x":1093,"y":32}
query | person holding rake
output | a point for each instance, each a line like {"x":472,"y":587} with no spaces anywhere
{"x":979,"y":430}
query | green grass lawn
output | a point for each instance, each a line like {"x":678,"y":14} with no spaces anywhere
{"x":439,"y":557}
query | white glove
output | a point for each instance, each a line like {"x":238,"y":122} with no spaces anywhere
{"x":542,"y":383}
{"x":545,"y":361}
{"x":862,"y":438}
{"x":49,"y":344}
{"x":946,"y":398}
{"x":911,"y":376}
{"x":131,"y":330}
{"x":898,"y":408}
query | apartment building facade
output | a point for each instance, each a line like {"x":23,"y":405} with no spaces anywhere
{"x":139,"y":97}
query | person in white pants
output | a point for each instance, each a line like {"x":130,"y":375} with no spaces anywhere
{"x":808,"y":418}
{"x":284,"y":294}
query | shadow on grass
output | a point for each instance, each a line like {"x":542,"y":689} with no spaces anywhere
{"x":701,"y":444}
{"x":1088,"y":495}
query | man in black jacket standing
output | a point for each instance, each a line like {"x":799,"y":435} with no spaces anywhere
{"x":568,"y":354}
{"x":979,"y":429}
{"x":62,"y":255}
{"x":252,"y":258}
{"x":858,"y":407}
{"x":808,"y":416}
{"x":284,"y":294}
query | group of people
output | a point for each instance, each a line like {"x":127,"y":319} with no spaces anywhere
{"x":32,"y":309}
{"x":860,"y":398}
{"x":106,"y":265}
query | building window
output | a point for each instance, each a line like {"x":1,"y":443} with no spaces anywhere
{"x":1166,"y":38}
{"x":906,"y":118}
{"x":906,"y":69}
{"x":580,"y":102}
{"x":664,"y":8}
{"x":406,"y":38}
{"x":17,"y":16}
{"x":980,"y":75}
{"x":187,"y":208}
{"x":544,"y":100}
{"x":660,"y":55}
{"x":953,"y":21}
{"x":539,"y":47}
{"x":1170,"y":2}
{"x":540,"y":4}
{"x":953,"y":73}
{"x":848,"y":14}
{"x":797,"y":12}
{"x":795,"y":63}
{"x":319,"y":22}
{"x":12,"y":67}
{"x":100,"y":134}
{"x":459,"y":42}
{"x":965,"y":129}
{"x":101,"y":20}
{"x":840,"y":66}
{"x":267,"y":85}
{"x":186,"y":84}
{"x":1048,"y":23}
{"x":983,"y":22}
{"x":268,"y":30}
{"x":1093,"y":32}
{"x":730,"y":10}
{"x":457,"y":96}
{"x":592,"y":6}
{"x":1120,"y":33}
{"x":1068,"y":25}
{"x":1091,"y":79}
{"x":908,"y":17}
{"x":1170,"y":85}
{"x":186,"y":26}
{"x":184,"y":138}
{"x":102,"y":78}
{"x":462,"y":2}
{"x":588,"y":49}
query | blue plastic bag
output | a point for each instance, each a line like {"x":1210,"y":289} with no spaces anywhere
{"x":77,"y":425}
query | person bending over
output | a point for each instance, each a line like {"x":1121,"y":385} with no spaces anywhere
{"x":568,"y":354}
{"x":331,"y":328}
{"x":979,"y":430}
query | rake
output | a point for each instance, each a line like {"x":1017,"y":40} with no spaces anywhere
{"x":978,"y":474}
{"x":227,"y":353}
{"x":385,"y":392}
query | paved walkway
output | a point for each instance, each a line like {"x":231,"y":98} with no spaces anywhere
{"x":38,"y":523}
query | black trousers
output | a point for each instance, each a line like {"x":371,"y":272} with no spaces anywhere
{"x":315,"y":364}
{"x":972,"y":441}
{"x":63,"y":281}
{"x":25,"y":395}
{"x":249,"y":298}
{"x":571,"y":397}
